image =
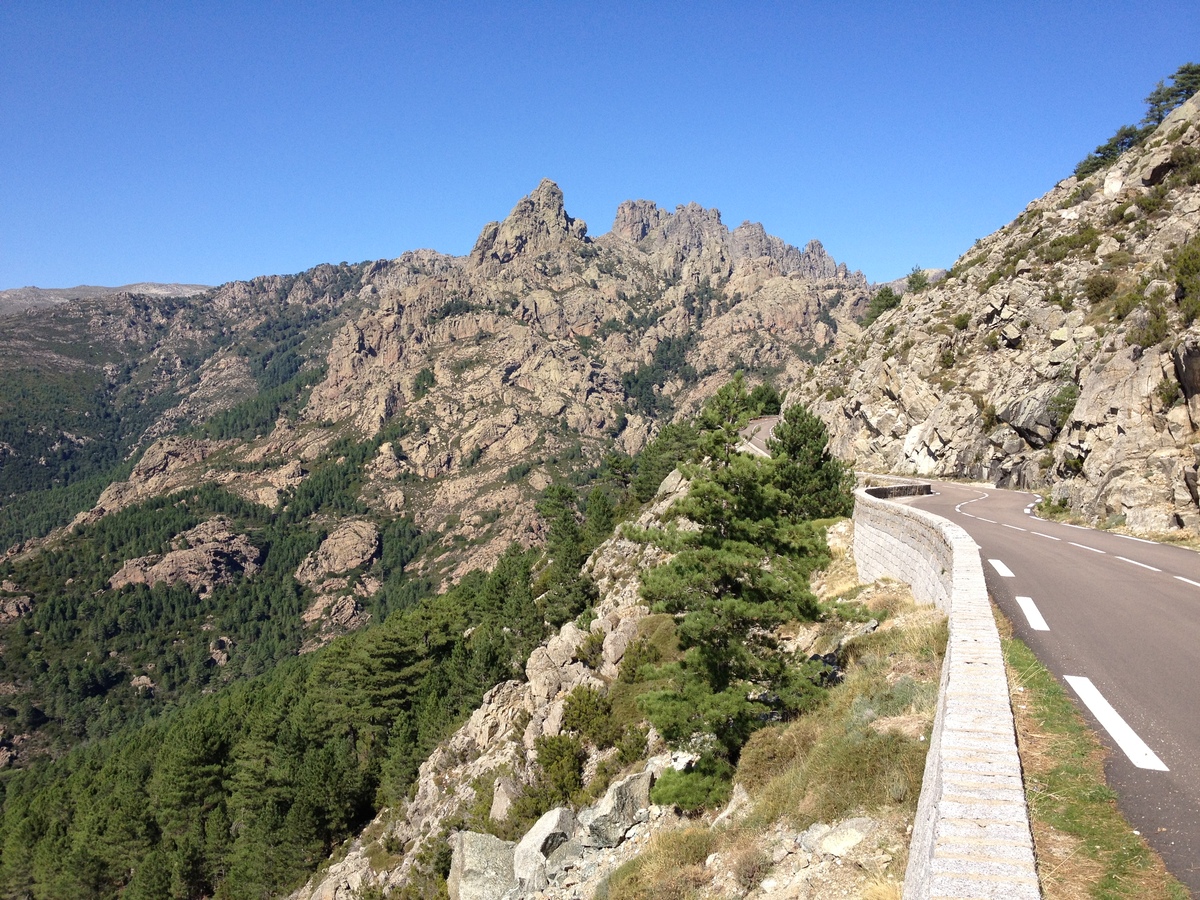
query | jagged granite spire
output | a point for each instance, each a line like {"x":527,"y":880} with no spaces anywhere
{"x":537,"y":223}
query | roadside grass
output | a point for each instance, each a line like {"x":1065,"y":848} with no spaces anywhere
{"x":862,"y":752}
{"x":1084,"y":846}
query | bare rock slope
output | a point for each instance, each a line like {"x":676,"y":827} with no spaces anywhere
{"x":1060,"y":353}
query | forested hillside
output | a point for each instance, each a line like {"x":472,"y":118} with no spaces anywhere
{"x":242,"y":793}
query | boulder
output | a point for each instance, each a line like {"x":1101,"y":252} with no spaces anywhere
{"x":567,"y":856}
{"x":549,"y":833}
{"x":1156,"y":168}
{"x":616,"y":642}
{"x":351,"y":545}
{"x":623,"y":805}
{"x":503,"y":795}
{"x":481,"y":867}
{"x":544,"y":677}
{"x":561,"y":648}
{"x":845,"y":836}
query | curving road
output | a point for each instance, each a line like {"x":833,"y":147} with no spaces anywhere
{"x":756,"y":434}
{"x":1117,"y":620}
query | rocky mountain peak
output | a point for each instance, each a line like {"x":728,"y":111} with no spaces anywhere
{"x":538,"y":223}
{"x":694,"y":244}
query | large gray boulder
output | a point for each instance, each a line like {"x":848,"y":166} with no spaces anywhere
{"x":481,"y":867}
{"x":549,"y":833}
{"x":625,"y":804}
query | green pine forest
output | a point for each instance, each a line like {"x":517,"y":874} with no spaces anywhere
{"x":238,"y":784}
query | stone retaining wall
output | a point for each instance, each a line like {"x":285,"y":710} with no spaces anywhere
{"x":971,"y":837}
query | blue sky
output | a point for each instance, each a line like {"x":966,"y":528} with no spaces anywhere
{"x":203,"y":142}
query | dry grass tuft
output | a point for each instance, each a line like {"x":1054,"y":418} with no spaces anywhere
{"x":747,"y":859}
{"x":671,"y":868}
{"x":882,"y":889}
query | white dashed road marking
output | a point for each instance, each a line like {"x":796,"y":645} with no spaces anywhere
{"x":1036,"y":622}
{"x":1001,"y":569}
{"x":1133,"y":746}
{"x":1084,"y":547}
{"x":982,"y":519}
{"x":1188,"y":581}
{"x":1050,"y":536}
{"x":1136,"y":563}
{"x":1014,"y":527}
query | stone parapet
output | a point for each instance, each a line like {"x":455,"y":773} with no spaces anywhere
{"x":971,"y":837}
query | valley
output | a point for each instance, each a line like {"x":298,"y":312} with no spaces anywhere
{"x":308,"y":576}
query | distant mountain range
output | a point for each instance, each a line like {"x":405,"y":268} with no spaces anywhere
{"x":17,"y":299}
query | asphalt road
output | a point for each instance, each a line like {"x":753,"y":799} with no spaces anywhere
{"x":757,"y":432}
{"x":1114,"y":618}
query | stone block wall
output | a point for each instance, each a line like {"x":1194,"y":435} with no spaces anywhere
{"x":971,"y":837}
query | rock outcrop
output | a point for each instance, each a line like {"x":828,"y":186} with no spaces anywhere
{"x":1053,"y":356}
{"x":337,"y":608}
{"x":210,"y":554}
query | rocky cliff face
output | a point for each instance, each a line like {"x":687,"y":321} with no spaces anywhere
{"x":539,"y":351}
{"x":212,"y":553}
{"x":1058,"y":354}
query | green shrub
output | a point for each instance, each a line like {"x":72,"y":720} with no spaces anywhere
{"x":883,"y":300}
{"x":588,"y":712}
{"x":1125,"y":304}
{"x":422,"y":383}
{"x":962,"y":320}
{"x":1062,"y":404}
{"x":561,"y":758}
{"x":1100,"y":286}
{"x":1086,"y":238}
{"x":1063,"y":302}
{"x":591,"y":651}
{"x":1154,"y":329}
{"x":1153,"y":200}
{"x":1185,"y":270}
{"x":1127,"y":137}
{"x":518,"y":472}
{"x":1118,"y":259}
{"x":947,"y":358}
{"x":991,"y":341}
{"x":639,"y":653}
{"x":917,"y":280}
{"x":1168,"y":391}
{"x":705,"y":786}
{"x":632,"y":745}
{"x":992,"y":279}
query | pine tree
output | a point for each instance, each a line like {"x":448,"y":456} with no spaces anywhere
{"x":1165,"y":98}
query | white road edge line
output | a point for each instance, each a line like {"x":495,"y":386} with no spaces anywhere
{"x":1001,"y":569}
{"x":1139,"y":540}
{"x":1036,"y":622}
{"x":1136,"y":563}
{"x":1188,"y":581}
{"x":1052,"y":537}
{"x":1086,"y":547}
{"x":1133,"y":746}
